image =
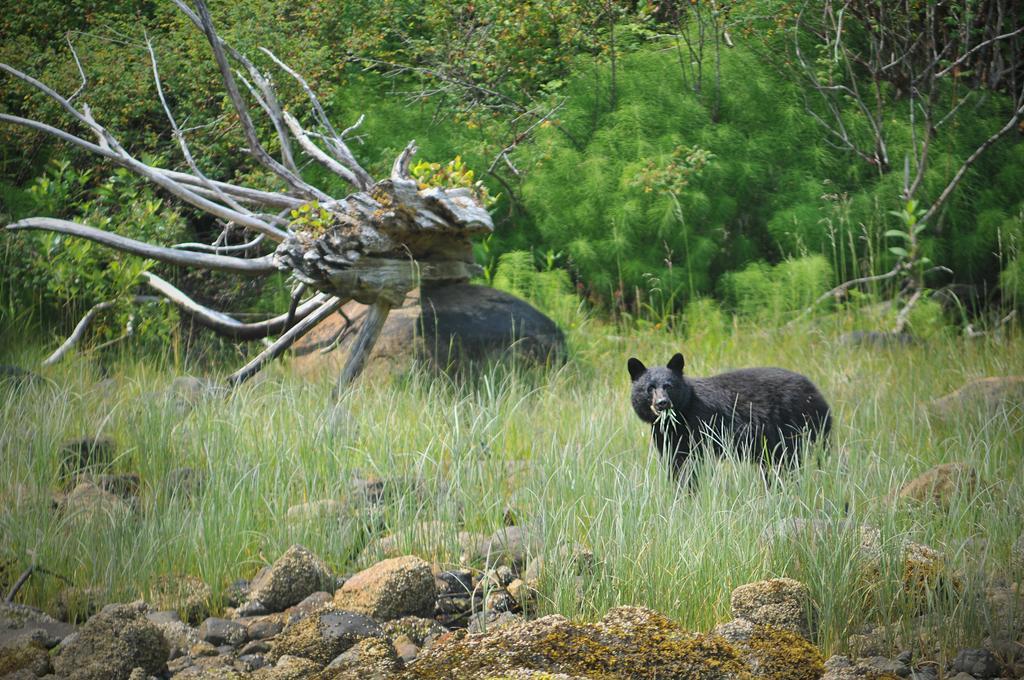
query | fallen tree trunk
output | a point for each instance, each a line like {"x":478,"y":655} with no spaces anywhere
{"x":373,"y":245}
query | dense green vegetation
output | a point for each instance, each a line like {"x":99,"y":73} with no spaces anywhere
{"x":654,"y":162}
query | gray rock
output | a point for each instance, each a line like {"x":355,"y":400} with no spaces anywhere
{"x":876,"y":339}
{"x":113,"y":643}
{"x":985,"y":394}
{"x":308,"y":605}
{"x":511,"y":546}
{"x":263,"y":627}
{"x":251,"y":662}
{"x":324,"y":635}
{"x":419,"y":631}
{"x":369,"y":657}
{"x":488,"y":621}
{"x":89,"y":503}
{"x":218,"y":631}
{"x":925,"y":673}
{"x":980,"y":663}
{"x":19,"y":621}
{"x":881,"y":664}
{"x":450,"y":326}
{"x":293,"y":577}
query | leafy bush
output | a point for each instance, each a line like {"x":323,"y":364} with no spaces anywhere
{"x":764,"y":292}
{"x":550,"y":291}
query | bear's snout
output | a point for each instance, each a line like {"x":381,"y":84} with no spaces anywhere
{"x":660,"y":401}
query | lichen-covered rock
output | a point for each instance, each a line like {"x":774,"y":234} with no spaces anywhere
{"x":111,"y":644}
{"x":402,"y":586}
{"x":294,"y":576}
{"x":179,"y":635}
{"x":781,"y":654}
{"x":88,"y":502}
{"x":324,"y":635}
{"x":219,"y":632}
{"x":325,"y":509}
{"x":18,"y":621}
{"x":187,"y":594}
{"x":419,"y":630}
{"x":778,"y":602}
{"x":288,"y":668}
{"x":987,"y":394}
{"x":629,"y":642}
{"x":842,"y":668}
{"x":980,"y":663}
{"x":940,"y":484}
{"x":24,"y":654}
{"x":366,"y":658}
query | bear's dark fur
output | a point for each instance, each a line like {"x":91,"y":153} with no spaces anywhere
{"x":765,"y":413}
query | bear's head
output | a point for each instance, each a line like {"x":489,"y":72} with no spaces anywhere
{"x":658,"y":390}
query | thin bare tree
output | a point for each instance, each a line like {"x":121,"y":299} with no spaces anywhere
{"x":373,"y":245}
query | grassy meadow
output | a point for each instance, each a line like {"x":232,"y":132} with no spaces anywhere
{"x":562,"y":448}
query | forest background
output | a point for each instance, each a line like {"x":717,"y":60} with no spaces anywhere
{"x":643,"y":157}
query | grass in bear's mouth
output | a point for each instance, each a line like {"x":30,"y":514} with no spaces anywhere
{"x":562,"y":449}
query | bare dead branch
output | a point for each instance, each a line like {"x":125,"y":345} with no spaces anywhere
{"x":83,"y":325}
{"x":400,"y":168}
{"x":319,"y":156}
{"x":262,"y":265}
{"x":285,"y":341}
{"x":367,"y":338}
{"x":248,"y":129}
{"x":220,"y":250}
{"x":225,"y":325}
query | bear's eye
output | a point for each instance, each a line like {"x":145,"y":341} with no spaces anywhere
{"x":650,"y":389}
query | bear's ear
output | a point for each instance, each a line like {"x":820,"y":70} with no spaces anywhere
{"x":676,"y":363}
{"x":636,"y":368}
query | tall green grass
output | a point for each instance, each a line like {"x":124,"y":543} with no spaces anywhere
{"x":562,"y":448}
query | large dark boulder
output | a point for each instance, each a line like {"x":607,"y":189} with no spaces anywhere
{"x":449,"y":326}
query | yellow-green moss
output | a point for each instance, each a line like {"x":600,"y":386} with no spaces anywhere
{"x":784,"y":655}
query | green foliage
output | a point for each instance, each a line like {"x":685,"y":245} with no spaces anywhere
{"x":452,"y":175}
{"x":549,"y":290}
{"x":761,"y":291}
{"x":72,"y":274}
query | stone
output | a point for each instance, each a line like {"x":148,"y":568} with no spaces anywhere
{"x":390,"y":589}
{"x":627,"y":642}
{"x":418,"y":630}
{"x":188,"y":594}
{"x":941,"y":484}
{"x":111,"y":644}
{"x":25,"y":655}
{"x":18,"y":621}
{"x":288,"y":668}
{"x":86,"y":455}
{"x":324,"y":635}
{"x":490,"y":620}
{"x":308,"y":605}
{"x":449,"y":326}
{"x":883,"y":665}
{"x":368,"y":657}
{"x":263,"y":627}
{"x":202,"y":649}
{"x":511,"y":546}
{"x":88,"y":503}
{"x":294,"y":576}
{"x":778,"y":602}
{"x":179,"y":635}
{"x":405,"y":648}
{"x":986,"y":394}
{"x":189,"y":390}
{"x":316,"y":511}
{"x":219,"y":631}
{"x":981,"y":663}
{"x":125,"y":485}
{"x":78,"y":604}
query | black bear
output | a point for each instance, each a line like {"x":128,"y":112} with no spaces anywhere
{"x":765,"y":413}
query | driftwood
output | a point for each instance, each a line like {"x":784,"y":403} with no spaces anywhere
{"x":373,"y":245}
